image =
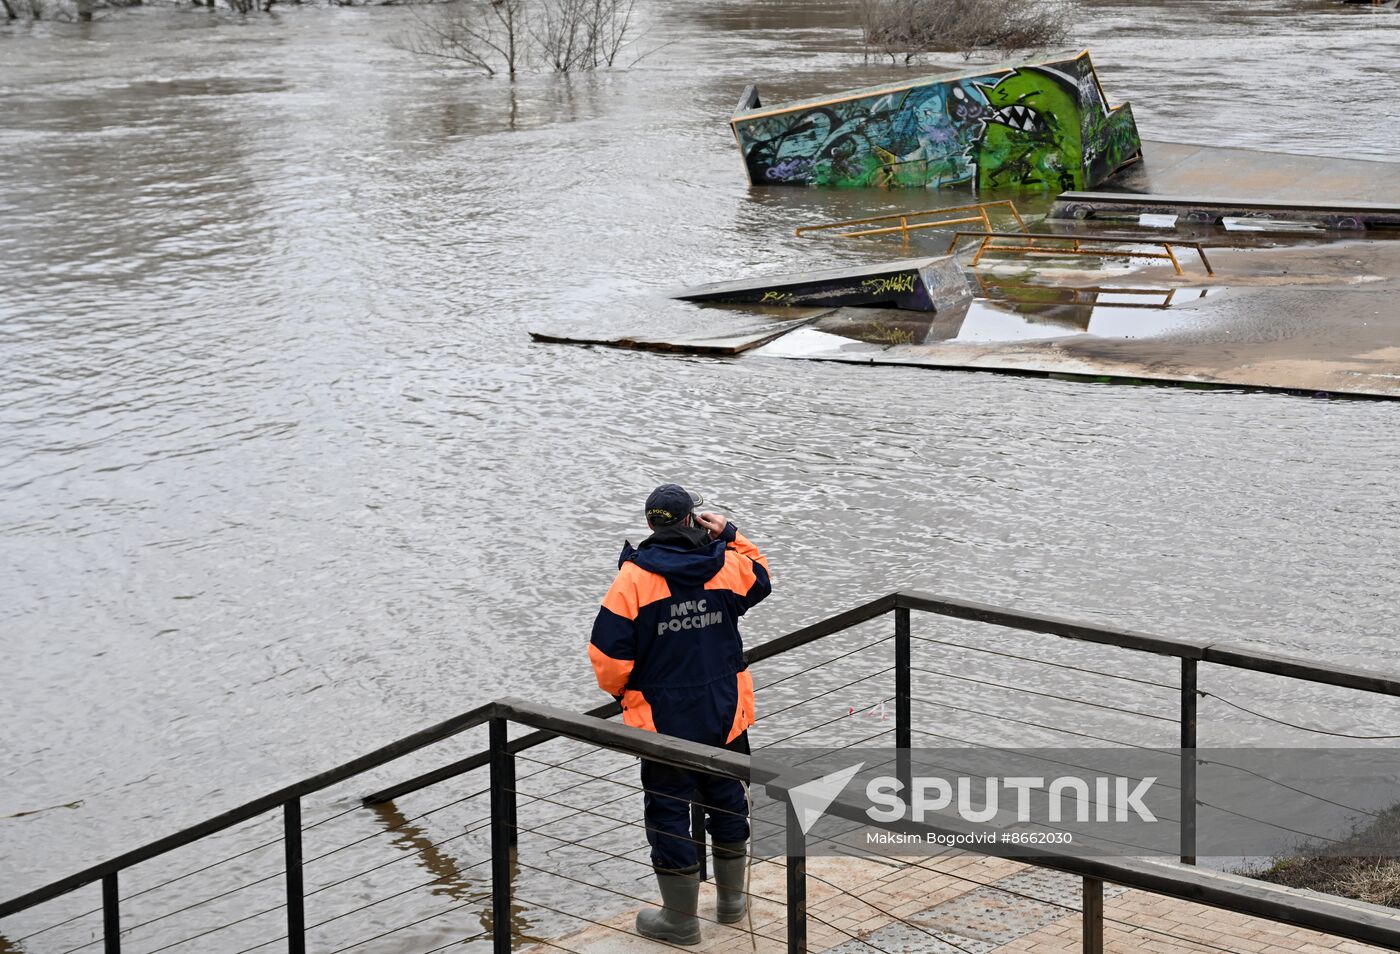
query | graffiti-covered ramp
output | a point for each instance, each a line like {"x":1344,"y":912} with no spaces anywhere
{"x":1041,"y":126}
{"x":916,"y":284}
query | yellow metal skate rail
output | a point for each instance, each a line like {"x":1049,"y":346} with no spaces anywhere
{"x":905,"y":223}
{"x":1026,"y":244}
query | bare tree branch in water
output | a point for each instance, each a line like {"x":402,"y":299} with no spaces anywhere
{"x":61,"y":10}
{"x":907,"y":28}
{"x":494,"y":36}
{"x":580,"y":35}
{"x":559,"y":32}
{"x":485,"y":35}
{"x":614,"y":24}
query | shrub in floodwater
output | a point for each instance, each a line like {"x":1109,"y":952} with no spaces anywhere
{"x":485,"y":35}
{"x":42,"y":9}
{"x":1365,"y":865}
{"x":904,"y":29}
{"x":507,"y":36}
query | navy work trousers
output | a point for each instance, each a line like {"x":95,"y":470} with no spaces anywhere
{"x":669,"y":792}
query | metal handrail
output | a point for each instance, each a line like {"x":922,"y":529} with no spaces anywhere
{"x":1190,"y":652}
{"x":1201,"y":887}
{"x":904,"y":219}
{"x":989,"y":237}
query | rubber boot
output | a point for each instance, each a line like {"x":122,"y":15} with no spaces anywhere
{"x":676,"y":921}
{"x":731,"y":865}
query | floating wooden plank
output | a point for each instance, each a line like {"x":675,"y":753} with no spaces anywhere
{"x":1352,"y":216}
{"x":927,"y":284}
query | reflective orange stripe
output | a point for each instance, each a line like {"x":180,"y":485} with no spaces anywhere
{"x":636,"y":711}
{"x":634,"y":588}
{"x":743,"y":545}
{"x":736,"y":575}
{"x":612,"y":673}
{"x":744,"y":711}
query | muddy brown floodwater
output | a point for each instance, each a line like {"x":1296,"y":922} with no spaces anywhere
{"x":284,"y":478}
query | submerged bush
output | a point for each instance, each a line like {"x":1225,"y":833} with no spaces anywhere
{"x":507,"y":36}
{"x":903,"y":29}
{"x":1365,"y":865}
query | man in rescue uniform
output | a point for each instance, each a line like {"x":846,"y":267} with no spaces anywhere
{"x":666,"y":643}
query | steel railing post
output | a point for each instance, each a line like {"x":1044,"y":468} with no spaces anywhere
{"x":111,"y":916}
{"x":1092,"y":909}
{"x":796,"y":885}
{"x":508,"y":775}
{"x":697,"y":835}
{"x":903,"y":695}
{"x":1188,"y":761}
{"x":502,"y":835}
{"x":296,"y":909}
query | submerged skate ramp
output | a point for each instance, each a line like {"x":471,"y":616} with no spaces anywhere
{"x":730,"y":343}
{"x":916,"y":284}
{"x":1309,"y":319}
{"x":1037,"y":125}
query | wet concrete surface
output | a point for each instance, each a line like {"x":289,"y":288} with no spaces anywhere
{"x":1316,"y":318}
{"x":1184,"y":169}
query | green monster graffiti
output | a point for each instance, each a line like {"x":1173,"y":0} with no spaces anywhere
{"x":1042,"y":127}
{"x":1033,"y":135}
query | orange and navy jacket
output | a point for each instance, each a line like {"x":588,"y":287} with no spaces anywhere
{"x":666,"y":640}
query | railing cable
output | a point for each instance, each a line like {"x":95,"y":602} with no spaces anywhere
{"x":410,"y":854}
{"x":823,"y":725}
{"x":1294,"y":725}
{"x":214,"y":930}
{"x":1038,"y":725}
{"x":1047,"y":662}
{"x":401,"y":927}
{"x":632,"y":789}
{"x":1282,"y":784}
{"x":1047,"y":695}
{"x":51,"y":927}
{"x":275,"y":875}
{"x":1148,"y":748}
{"x":803,"y":702}
{"x":398,"y":894}
{"x":155,"y":887}
{"x":476,"y":937}
{"x":803,"y":672}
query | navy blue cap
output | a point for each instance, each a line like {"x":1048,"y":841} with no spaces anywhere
{"x":669,"y":504}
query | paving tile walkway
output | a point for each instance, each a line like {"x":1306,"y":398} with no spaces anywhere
{"x":961,"y":904}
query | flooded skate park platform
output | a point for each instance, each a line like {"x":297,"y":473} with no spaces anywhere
{"x":1192,"y":265}
{"x":1302,"y":265}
